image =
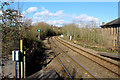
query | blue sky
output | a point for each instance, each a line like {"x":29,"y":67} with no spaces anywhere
{"x":60,"y":13}
{"x":64,"y":0}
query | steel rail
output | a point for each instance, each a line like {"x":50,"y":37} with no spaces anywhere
{"x":88,"y":57}
{"x":63,"y":65}
{"x":91,"y":54}
{"x":77,"y":62}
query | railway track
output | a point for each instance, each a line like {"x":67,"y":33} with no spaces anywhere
{"x":63,"y":66}
{"x":61,"y":63}
{"x":113,"y":68}
{"x":72,"y":61}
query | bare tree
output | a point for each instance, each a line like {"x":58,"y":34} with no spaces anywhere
{"x":27,"y":22}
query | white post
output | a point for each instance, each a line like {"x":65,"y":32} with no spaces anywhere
{"x":24,"y":65}
{"x":17,"y":55}
{"x":13,"y":55}
{"x":39,"y":35}
{"x":70,"y":37}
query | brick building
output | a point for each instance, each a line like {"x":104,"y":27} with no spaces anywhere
{"x":113,"y":28}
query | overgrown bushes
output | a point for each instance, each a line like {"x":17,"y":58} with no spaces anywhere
{"x":34,"y":55}
{"x":35,"y":48}
{"x":45,"y":31}
{"x":88,"y":35}
{"x":12,"y":35}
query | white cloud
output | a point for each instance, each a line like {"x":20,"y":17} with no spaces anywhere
{"x":37,"y":18}
{"x":59,"y":14}
{"x":43,"y":8}
{"x":58,"y":25}
{"x":84,"y":18}
{"x":24,"y":13}
{"x":45,"y":14}
{"x":56,"y":17}
{"x":36,"y":21}
{"x":56,"y":22}
{"x":31,"y":9}
{"x":0,"y":12}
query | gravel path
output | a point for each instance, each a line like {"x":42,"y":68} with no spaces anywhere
{"x":8,"y":68}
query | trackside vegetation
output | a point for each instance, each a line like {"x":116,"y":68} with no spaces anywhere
{"x":90,"y":36}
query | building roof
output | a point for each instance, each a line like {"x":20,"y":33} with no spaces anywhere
{"x":114,"y":23}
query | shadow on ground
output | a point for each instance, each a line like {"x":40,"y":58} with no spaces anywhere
{"x":36,"y":56}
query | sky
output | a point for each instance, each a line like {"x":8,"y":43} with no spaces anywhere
{"x":61,"y":13}
{"x":64,"y":0}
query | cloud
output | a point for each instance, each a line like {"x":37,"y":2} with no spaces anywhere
{"x":59,"y":14}
{"x":57,"y":18}
{"x":0,"y":12}
{"x":45,"y":14}
{"x":56,"y":22}
{"x":84,"y":18}
{"x":43,"y":8}
{"x":37,"y":18}
{"x":31,"y":9}
{"x":23,"y":13}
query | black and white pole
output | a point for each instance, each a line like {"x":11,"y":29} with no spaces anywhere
{"x":15,"y":57}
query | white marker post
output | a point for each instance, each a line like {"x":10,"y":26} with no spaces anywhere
{"x":61,"y":35}
{"x":24,"y":65}
{"x":15,"y":57}
{"x":38,"y":34}
{"x":70,"y":38}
